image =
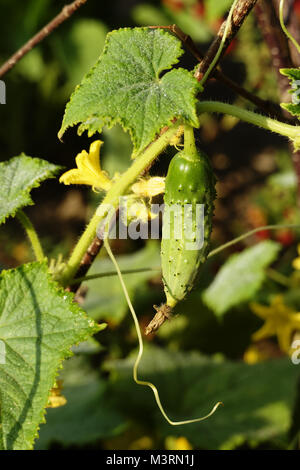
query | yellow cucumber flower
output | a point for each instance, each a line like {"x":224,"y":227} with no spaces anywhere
{"x":88,"y":169}
{"x":280,"y":320}
{"x":177,"y":443}
{"x":257,"y":353}
{"x":149,"y":187}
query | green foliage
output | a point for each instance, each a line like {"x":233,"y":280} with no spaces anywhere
{"x":38,"y":325}
{"x":87,"y":415}
{"x":294,"y":76}
{"x":250,"y":50}
{"x":278,"y":195}
{"x":131,"y":86}
{"x":189,"y":384}
{"x":75,"y":51}
{"x":145,"y":14}
{"x":125,"y":87}
{"x":240,"y":277}
{"x":214,"y":10}
{"x":18,"y":177}
{"x":117,"y":150}
{"x":32,"y":66}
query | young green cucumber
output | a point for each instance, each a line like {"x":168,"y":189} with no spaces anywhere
{"x":187,"y":224}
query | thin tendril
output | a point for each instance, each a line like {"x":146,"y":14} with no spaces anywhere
{"x":111,"y":273}
{"x":248,"y":234}
{"x":284,"y":29}
{"x":141,"y":349}
{"x":222,"y":43}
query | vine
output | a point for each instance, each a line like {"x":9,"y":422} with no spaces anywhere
{"x":134,"y":84}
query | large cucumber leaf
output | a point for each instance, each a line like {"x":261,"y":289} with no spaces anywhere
{"x":18,"y":176}
{"x":39,"y":322}
{"x":240,"y":277}
{"x":126,"y":86}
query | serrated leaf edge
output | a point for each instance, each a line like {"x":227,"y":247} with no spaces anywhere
{"x":66,"y":353}
{"x":49,"y":175}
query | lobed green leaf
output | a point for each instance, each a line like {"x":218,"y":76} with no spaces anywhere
{"x":87,"y":416}
{"x":240,"y":277}
{"x":190,"y":384}
{"x":126,"y":86}
{"x":39,"y":322}
{"x":18,"y":176}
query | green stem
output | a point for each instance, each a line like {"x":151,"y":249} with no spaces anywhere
{"x":293,"y":132}
{"x":32,"y":235}
{"x":284,"y":29}
{"x":190,"y":148}
{"x":112,"y":199}
{"x":79,"y":280}
{"x":248,"y":234}
{"x":278,"y":277}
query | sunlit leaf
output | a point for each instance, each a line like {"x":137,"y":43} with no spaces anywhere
{"x":126,"y":86}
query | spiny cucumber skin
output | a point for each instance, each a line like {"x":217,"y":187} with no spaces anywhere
{"x":187,"y":182}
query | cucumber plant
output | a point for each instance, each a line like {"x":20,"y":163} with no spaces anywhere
{"x":126,"y":86}
{"x":190,"y":184}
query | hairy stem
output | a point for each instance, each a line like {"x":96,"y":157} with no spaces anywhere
{"x":89,"y":257}
{"x":287,"y":130}
{"x":31,"y":234}
{"x":111,"y":199}
{"x":266,"y":106}
{"x":189,"y":142}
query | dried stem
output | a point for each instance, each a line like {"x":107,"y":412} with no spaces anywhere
{"x":66,"y":12}
{"x":240,"y":13}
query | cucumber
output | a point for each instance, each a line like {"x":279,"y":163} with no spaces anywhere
{"x":190,"y":181}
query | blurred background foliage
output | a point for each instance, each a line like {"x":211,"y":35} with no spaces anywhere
{"x":207,"y":352}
